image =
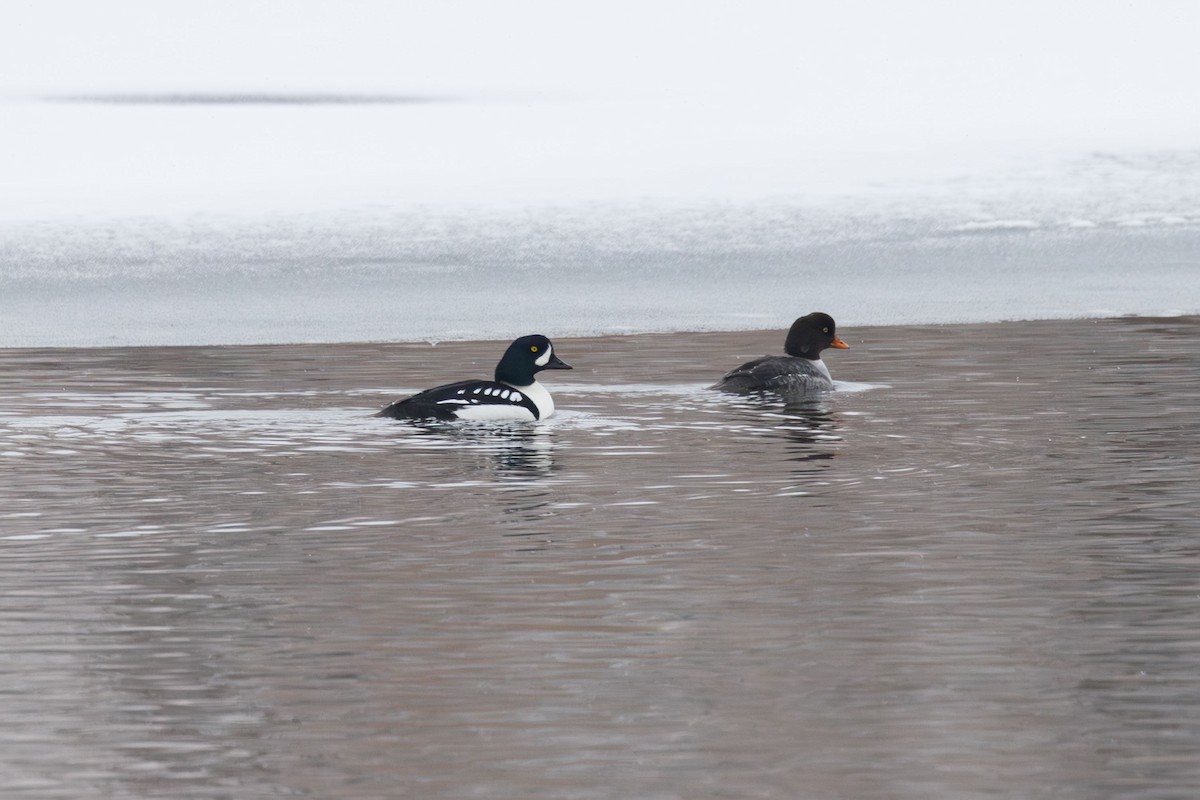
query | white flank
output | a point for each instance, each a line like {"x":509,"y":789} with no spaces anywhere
{"x":540,"y":397}
{"x":494,"y":412}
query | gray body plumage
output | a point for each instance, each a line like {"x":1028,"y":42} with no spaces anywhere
{"x":789,"y":376}
{"x":798,"y":375}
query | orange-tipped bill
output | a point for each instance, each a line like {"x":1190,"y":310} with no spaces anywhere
{"x":839,"y":344}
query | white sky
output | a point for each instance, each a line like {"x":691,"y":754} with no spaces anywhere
{"x":564,"y":101}
{"x":1011,"y":65}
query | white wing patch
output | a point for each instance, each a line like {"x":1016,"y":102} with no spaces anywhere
{"x":499,"y":403}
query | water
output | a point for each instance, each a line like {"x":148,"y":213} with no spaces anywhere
{"x":970,"y":573}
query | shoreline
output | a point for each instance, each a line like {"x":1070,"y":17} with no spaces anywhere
{"x":706,"y":332}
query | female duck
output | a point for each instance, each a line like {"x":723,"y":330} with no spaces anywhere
{"x":800,"y":373}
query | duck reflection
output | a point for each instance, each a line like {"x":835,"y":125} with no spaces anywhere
{"x":808,"y":428}
{"x":511,"y":451}
{"x":508,"y":468}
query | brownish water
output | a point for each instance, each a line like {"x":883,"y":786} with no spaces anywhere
{"x":976,"y":576}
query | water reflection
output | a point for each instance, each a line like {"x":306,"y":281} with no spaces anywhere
{"x":506,"y":464}
{"x":811,"y":431}
{"x":809,"y":427}
{"x":518,"y":450}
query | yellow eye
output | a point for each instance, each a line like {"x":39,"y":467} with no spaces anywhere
{"x":825,"y":330}
{"x":533,"y":349}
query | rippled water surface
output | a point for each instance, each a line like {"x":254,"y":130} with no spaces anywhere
{"x":973,"y":572}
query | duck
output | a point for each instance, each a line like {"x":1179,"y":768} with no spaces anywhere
{"x":800,"y":373}
{"x":514,"y":394}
